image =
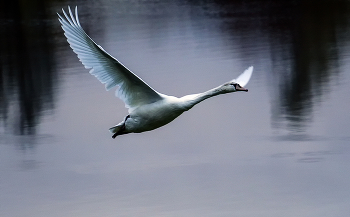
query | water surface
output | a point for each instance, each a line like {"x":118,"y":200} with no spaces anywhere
{"x":282,"y":149}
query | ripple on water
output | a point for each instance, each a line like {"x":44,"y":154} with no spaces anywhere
{"x":306,"y":157}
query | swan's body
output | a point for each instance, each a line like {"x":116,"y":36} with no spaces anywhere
{"x":148,"y":109}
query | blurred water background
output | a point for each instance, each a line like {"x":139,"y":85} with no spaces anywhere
{"x":282,"y":149}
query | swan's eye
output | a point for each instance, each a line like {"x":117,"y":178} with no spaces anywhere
{"x":234,"y":86}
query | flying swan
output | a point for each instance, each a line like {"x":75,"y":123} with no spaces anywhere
{"x":148,"y":109}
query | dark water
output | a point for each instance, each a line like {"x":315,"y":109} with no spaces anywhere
{"x":282,"y":149}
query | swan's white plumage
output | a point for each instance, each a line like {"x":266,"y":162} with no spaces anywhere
{"x":108,"y":70}
{"x":148,"y":109}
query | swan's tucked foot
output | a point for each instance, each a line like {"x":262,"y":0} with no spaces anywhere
{"x":115,"y":135}
{"x":119,"y":129}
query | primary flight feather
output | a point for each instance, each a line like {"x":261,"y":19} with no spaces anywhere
{"x":148,"y":109}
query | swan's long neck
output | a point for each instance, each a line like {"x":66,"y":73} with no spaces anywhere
{"x":193,"y":99}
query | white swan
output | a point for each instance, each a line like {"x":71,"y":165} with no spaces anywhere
{"x":148,"y":109}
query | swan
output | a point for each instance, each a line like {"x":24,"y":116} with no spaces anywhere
{"x":148,"y":109}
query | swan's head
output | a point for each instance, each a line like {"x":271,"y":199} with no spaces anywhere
{"x":233,"y":87}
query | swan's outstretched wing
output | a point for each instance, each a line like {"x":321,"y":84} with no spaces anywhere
{"x":108,"y":70}
{"x":244,"y":77}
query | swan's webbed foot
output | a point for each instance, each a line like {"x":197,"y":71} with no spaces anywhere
{"x":115,"y":135}
{"x":121,"y":130}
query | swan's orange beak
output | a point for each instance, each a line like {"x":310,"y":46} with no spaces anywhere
{"x":239,"y":88}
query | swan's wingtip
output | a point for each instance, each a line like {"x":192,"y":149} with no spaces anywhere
{"x":244,"y":78}
{"x":250,"y":68}
{"x":68,"y":7}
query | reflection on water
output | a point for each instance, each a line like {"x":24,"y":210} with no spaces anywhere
{"x":314,"y":62}
{"x":279,"y":150}
{"x":27,"y":70}
{"x":305,"y":42}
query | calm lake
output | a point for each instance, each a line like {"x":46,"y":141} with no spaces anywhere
{"x":281,"y":149}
